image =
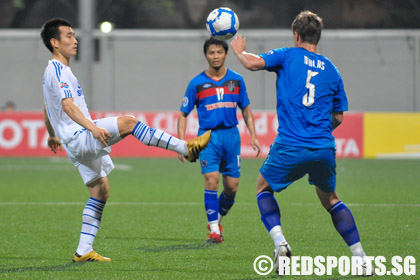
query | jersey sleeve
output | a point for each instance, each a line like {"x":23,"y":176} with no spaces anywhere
{"x":274,"y":58}
{"x":190,"y":98}
{"x":243,"y":100}
{"x":340,"y":102}
{"x":61,"y":81}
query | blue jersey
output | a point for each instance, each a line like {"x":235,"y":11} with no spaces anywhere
{"x":216,"y":101}
{"x":309,"y":89}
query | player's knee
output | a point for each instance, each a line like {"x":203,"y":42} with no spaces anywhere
{"x":131,"y":121}
{"x":126,"y":124}
{"x":329,"y":200}
{"x":231,"y":190}
{"x":230,"y":185}
{"x":104,"y":192}
{"x":211,"y":184}
{"x":99,"y":189}
{"x":262,"y":185}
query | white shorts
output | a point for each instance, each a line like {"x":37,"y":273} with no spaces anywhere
{"x":89,"y":155}
{"x":94,"y":169}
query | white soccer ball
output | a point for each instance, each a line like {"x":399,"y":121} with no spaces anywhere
{"x":222,"y":23}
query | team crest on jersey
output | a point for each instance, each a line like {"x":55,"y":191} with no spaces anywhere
{"x":231,"y":86}
{"x":64,"y":85}
{"x":185,"y":102}
{"x":206,"y":85}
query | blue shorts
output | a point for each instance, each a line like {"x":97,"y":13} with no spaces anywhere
{"x":286,"y":164}
{"x":223,"y":153}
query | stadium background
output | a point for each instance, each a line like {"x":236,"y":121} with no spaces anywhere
{"x":143,"y":65}
{"x":154,"y":227}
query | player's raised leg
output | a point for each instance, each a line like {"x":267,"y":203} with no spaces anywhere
{"x":155,"y":137}
{"x":91,"y":217}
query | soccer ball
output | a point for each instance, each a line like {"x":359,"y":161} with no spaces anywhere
{"x":222,"y":23}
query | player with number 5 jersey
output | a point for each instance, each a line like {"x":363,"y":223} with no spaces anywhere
{"x":217,"y":92}
{"x":310,"y":105}
{"x":309,"y":89}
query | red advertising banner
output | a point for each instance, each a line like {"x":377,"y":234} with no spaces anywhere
{"x":24,"y":134}
{"x":349,"y":136}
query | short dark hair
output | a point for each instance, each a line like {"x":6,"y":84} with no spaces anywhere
{"x":213,"y":41}
{"x":50,"y":30}
{"x":309,"y":26}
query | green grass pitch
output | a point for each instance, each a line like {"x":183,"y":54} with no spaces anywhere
{"x":154,"y":225}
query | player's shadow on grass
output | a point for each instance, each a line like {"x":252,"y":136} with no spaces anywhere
{"x":155,"y":239}
{"x":179,"y":247}
{"x":63,"y":267}
{"x":192,"y":244}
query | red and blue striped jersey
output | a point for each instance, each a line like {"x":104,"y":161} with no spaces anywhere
{"x":216,"y":101}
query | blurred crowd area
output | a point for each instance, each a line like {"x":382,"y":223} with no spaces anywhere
{"x":191,"y":14}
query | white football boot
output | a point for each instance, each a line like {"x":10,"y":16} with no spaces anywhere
{"x":283,"y":250}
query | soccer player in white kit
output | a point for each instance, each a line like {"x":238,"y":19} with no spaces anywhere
{"x":87,"y":142}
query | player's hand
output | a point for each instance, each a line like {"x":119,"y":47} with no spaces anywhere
{"x":255,"y":144}
{"x":54,"y":143}
{"x":181,"y":158}
{"x":238,"y":44}
{"x":101,"y":134}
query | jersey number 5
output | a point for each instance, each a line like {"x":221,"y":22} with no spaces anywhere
{"x":308,"y":100}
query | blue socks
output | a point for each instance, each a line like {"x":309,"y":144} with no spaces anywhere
{"x":344,"y":223}
{"x":341,"y":216}
{"x":269,"y":209}
{"x":225,"y":203}
{"x":211,"y":204}
{"x":216,"y":208}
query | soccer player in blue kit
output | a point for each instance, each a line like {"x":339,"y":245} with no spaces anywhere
{"x":217,"y":92}
{"x":310,"y":104}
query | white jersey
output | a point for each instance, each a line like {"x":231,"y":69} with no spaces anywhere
{"x":60,"y":83}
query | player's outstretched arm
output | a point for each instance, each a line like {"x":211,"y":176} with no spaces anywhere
{"x":250,"y":123}
{"x":76,"y":115}
{"x":54,"y":143}
{"x":249,"y":60}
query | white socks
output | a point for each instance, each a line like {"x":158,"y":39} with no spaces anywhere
{"x":357,"y":250}
{"x":277,"y":236}
{"x":214,"y":227}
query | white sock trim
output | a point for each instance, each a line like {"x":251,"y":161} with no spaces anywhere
{"x":277,"y":235}
{"x":357,"y":250}
{"x":214,"y":226}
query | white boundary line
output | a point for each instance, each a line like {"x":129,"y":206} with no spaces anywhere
{"x":175,"y":203}
{"x":64,"y":167}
